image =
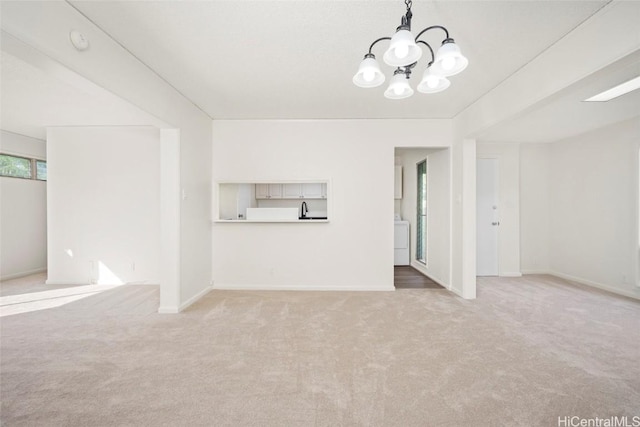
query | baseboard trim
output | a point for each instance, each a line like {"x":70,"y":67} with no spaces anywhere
{"x":66,"y":282}
{"x":427,"y":273}
{"x":456,"y":291}
{"x":525,"y":272}
{"x":586,"y":282}
{"x":63,"y":282}
{"x":142,"y":283}
{"x":22,"y":274}
{"x":510,"y":274}
{"x":467,"y":296}
{"x":186,"y":304}
{"x":249,"y":287}
{"x":195,"y":298}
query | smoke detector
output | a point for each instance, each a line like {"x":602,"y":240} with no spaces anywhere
{"x":79,"y":40}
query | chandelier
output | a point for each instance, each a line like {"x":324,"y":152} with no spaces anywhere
{"x":404,"y":53}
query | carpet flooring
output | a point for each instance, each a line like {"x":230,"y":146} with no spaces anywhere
{"x":527,"y":351}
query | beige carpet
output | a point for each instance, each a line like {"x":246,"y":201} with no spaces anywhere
{"x":526,"y":352}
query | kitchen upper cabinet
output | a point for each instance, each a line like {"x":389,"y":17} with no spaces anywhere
{"x":240,"y":202}
{"x":268,"y":191}
{"x":307,"y":190}
{"x":314,"y":190}
{"x":292,"y":191}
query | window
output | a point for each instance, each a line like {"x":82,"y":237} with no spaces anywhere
{"x":41,"y":170}
{"x":421,"y":220}
{"x":22,"y":167}
{"x":13,"y":166}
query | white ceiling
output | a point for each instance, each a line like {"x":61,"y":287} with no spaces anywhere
{"x":33,"y":99}
{"x":566,"y":114}
{"x":295,"y":59}
{"x":286,"y":59}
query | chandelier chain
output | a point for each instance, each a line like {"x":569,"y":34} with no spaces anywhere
{"x":408,"y":3}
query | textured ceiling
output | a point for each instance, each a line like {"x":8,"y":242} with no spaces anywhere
{"x":295,"y":59}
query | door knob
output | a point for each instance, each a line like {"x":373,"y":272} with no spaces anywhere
{"x":495,"y":223}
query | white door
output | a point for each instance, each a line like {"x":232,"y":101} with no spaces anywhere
{"x":487,"y":221}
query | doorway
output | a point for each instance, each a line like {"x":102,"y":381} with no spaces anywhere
{"x":487,"y":217}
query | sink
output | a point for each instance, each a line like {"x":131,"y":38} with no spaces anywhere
{"x":314,"y":215}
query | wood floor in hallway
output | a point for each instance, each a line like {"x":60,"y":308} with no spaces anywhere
{"x":407,"y":277}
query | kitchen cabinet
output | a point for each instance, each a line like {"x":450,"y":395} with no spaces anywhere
{"x":292,"y":191}
{"x":314,"y":190}
{"x":307,"y":190}
{"x":271,"y":202}
{"x":268,"y":191}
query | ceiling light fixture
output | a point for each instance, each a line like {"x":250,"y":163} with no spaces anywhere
{"x":616,"y":91}
{"x":404,"y":53}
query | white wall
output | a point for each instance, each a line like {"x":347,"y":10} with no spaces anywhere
{"x":508,"y":156}
{"x":20,"y":145}
{"x":593,"y":233}
{"x":23,"y":213}
{"x":463,"y":215}
{"x":535,"y":189}
{"x":45,"y":26}
{"x":515,"y":96}
{"x":355,"y":249}
{"x":438,"y":208}
{"x":103,"y":205}
{"x":397,"y":203}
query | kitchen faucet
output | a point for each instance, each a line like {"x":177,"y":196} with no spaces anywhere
{"x":303,"y":210}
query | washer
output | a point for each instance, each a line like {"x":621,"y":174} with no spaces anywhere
{"x":401,"y":243}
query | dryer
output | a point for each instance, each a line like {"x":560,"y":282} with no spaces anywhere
{"x":401,"y":243}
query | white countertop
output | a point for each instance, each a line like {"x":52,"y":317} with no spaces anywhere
{"x":255,"y":221}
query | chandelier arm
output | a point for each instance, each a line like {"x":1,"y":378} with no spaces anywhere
{"x":431,"y":28}
{"x":430,"y":50}
{"x":379,"y":40}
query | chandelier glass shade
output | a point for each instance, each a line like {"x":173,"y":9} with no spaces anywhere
{"x":449,"y":61}
{"x":403,"y":53}
{"x":403,"y":50}
{"x":399,"y":87}
{"x":369,"y":73}
{"x":432,"y":82}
